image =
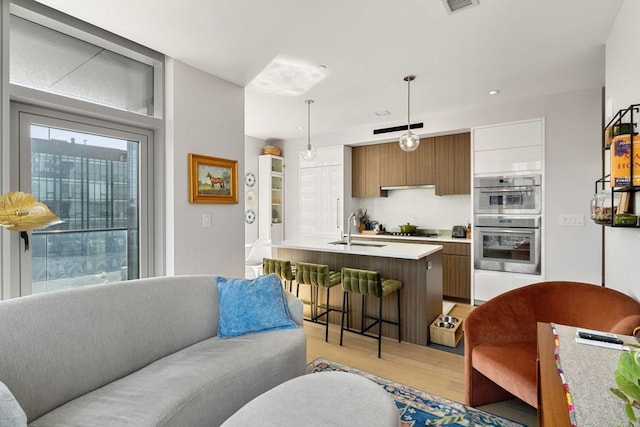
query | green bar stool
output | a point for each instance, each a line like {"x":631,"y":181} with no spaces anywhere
{"x":368,"y":283}
{"x":316,"y":276}
{"x":281,"y":268}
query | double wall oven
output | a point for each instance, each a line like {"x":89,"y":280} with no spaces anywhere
{"x":507,"y":223}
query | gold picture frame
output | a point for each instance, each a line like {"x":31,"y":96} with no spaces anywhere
{"x":212,"y":179}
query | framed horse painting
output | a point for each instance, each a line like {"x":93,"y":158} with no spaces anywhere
{"x":212,"y":180}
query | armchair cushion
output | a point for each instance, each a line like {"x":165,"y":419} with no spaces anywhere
{"x":248,"y":306}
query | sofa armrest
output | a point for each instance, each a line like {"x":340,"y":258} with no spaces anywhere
{"x":296,"y":307}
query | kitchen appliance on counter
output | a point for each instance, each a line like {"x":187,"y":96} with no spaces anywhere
{"x":459,"y":231}
{"x":516,"y":194}
{"x":507,"y":243}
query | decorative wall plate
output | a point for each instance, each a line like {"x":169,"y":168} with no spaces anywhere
{"x":250,"y":179}
{"x":249,"y":216}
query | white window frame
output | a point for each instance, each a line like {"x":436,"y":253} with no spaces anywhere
{"x":47,"y":117}
{"x":152,"y":251}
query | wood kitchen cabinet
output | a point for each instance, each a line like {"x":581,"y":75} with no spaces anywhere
{"x":365,"y":171}
{"x":421,"y":164}
{"x":444,"y":161}
{"x":456,"y":270}
{"x":393,"y":164}
{"x":399,"y":167}
{"x":453,"y":164}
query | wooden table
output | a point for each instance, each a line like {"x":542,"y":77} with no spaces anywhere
{"x":588,"y":372}
{"x":552,"y":400}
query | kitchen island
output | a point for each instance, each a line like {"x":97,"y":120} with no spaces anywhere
{"x":418,"y":266}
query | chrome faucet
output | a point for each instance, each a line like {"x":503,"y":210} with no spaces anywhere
{"x":355,"y":223}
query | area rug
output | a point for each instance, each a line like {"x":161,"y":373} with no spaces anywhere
{"x":419,"y":408}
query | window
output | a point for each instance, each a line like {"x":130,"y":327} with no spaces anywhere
{"x":94,"y":169}
{"x":48,"y":60}
{"x":89,"y":174}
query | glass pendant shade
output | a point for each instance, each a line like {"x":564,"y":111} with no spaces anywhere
{"x":310,"y":153}
{"x":409,"y":141}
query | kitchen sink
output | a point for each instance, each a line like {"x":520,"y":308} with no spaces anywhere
{"x":342,"y":242}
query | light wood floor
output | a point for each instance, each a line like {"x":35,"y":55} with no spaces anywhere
{"x":427,"y":369}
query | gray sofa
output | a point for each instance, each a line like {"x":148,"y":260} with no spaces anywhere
{"x":138,"y":353}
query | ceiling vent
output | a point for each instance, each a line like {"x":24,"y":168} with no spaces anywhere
{"x":453,"y":6}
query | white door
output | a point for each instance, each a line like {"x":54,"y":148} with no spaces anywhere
{"x":321,"y":202}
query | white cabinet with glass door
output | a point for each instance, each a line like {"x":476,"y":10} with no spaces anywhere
{"x":321,"y":194}
{"x":271,"y":198}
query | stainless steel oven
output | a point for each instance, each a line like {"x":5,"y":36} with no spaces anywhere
{"x":507,"y":243}
{"x":517,"y":194}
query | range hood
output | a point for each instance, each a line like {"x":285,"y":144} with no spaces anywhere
{"x":406,"y":187}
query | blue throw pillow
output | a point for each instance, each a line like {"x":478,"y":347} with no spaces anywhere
{"x":252,"y":306}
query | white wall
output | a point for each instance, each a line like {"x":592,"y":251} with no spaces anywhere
{"x":622,"y":245}
{"x":205,"y":115}
{"x":253,"y":149}
{"x":572,"y":163}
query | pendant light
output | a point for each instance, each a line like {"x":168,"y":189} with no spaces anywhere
{"x":409,"y":141}
{"x":310,"y":152}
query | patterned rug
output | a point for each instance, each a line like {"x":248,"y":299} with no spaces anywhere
{"x":419,"y":408}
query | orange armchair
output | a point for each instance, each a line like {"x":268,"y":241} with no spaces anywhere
{"x":500,"y":335}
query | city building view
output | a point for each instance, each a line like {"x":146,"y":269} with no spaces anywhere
{"x":93,"y":189}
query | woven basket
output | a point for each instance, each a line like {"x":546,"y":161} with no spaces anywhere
{"x":270,"y":149}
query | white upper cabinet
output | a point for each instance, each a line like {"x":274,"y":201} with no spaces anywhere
{"x":508,"y":148}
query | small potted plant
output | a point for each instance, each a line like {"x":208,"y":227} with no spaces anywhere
{"x":627,"y":376}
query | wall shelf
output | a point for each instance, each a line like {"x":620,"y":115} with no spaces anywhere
{"x":615,"y":193}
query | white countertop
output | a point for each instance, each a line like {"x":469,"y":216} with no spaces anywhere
{"x":441,"y":238}
{"x":387,"y":249}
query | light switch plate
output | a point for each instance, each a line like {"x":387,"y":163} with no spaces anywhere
{"x":571,"y":220}
{"x":206,"y":220}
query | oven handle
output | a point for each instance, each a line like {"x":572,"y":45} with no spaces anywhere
{"x":505,"y":190}
{"x":514,"y":230}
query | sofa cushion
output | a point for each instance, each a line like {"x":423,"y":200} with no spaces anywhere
{"x":56,"y":346}
{"x":11,"y":414}
{"x":510,"y":365}
{"x":254,"y":305}
{"x":201,"y":385}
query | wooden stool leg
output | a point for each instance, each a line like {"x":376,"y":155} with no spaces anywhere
{"x":379,"y":325}
{"x":399,"y":329}
{"x":345,"y":304}
{"x":326,"y":318}
{"x":362,"y":317}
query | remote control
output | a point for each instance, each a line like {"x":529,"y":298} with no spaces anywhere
{"x":602,"y":338}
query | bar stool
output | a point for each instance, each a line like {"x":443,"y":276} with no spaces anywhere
{"x":281,"y":268}
{"x":368,"y":284}
{"x":316,"y":276}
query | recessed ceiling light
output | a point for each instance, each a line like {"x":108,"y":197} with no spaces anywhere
{"x":287,"y":76}
{"x":383,"y":113}
{"x":494,"y":91}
